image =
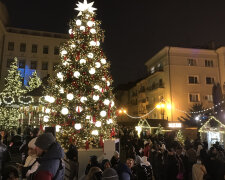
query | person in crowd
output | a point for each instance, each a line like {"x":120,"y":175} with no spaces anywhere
{"x":50,"y":158}
{"x":72,"y":156}
{"x":198,"y":170}
{"x":146,"y":149}
{"x":105,"y":164}
{"x":192,"y":158}
{"x":95,"y":173}
{"x":123,"y":171}
{"x":115,"y":159}
{"x":147,"y":166}
{"x":216,"y":166}
{"x":93,"y":162}
{"x":4,"y":156}
{"x":11,"y":173}
{"x":35,"y":132}
{"x":24,"y":147}
{"x":110,"y":174}
{"x":171,"y":165}
{"x":31,"y":163}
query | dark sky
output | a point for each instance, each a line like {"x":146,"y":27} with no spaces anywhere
{"x":135,"y":29}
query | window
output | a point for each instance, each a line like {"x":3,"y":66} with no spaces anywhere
{"x":33,"y":64}
{"x":11,"y":46}
{"x":54,"y":66}
{"x":194,"y":97}
{"x":191,"y":62}
{"x":160,"y":82}
{"x":22,"y":47}
{"x":209,"y":80}
{"x":193,"y":80}
{"x":9,"y":61}
{"x":208,"y":63}
{"x":21,"y":63}
{"x":209,"y":98}
{"x":56,"y":50}
{"x":44,"y":65}
{"x":45,"y":49}
{"x":34,"y":48}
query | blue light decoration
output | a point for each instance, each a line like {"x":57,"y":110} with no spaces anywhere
{"x":25,"y":74}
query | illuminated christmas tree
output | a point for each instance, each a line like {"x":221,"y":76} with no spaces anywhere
{"x":13,"y":89}
{"x":80,"y":99}
{"x":180,"y":137}
{"x":34,"y":81}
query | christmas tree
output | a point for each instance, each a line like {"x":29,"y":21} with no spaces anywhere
{"x":13,"y":89}
{"x":80,"y":99}
{"x":34,"y":81}
{"x":180,"y":137}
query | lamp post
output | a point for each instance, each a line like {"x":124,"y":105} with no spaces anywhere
{"x":162,"y":107}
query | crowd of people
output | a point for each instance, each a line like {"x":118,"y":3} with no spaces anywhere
{"x":38,"y":156}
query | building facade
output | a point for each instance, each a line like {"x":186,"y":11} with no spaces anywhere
{"x":35,"y":50}
{"x":177,"y":79}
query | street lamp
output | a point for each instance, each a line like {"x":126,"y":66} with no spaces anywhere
{"x":162,"y":106}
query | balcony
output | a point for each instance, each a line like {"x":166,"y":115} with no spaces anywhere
{"x":155,"y":86}
{"x":157,"y":69}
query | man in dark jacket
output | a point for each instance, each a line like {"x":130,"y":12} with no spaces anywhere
{"x":4,"y":155}
{"x":51,"y":154}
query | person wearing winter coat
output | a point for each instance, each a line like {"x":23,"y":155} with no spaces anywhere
{"x":198,"y":170}
{"x":50,"y":158}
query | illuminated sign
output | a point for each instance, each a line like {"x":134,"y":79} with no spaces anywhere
{"x":175,"y":125}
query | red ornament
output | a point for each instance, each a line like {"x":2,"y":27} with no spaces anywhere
{"x":94,"y":119}
{"x":72,"y":35}
{"x":87,"y":145}
{"x":101,"y":144}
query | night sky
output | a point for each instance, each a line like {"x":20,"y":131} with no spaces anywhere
{"x":135,"y":29}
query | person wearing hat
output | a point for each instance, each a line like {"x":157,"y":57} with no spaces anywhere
{"x":115,"y":159}
{"x":93,"y":162}
{"x":50,"y":154}
{"x":110,"y":174}
{"x":31,"y":163}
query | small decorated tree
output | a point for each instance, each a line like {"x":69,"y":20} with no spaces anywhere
{"x":34,"y":82}
{"x":179,"y":137}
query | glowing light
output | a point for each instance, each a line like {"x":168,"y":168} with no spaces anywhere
{"x":85,"y":7}
{"x":90,"y":23}
{"x":103,"y":113}
{"x":174,"y":125}
{"x":46,"y":118}
{"x":77,"y":126}
{"x":76,"y":74}
{"x":70,"y":96}
{"x":47,"y":110}
{"x":82,"y":28}
{"x":63,"y":52}
{"x":92,"y":71}
{"x":169,"y":106}
{"x":97,"y":87}
{"x":109,"y":121}
{"x":60,"y":76}
{"x":61,"y":90}
{"x":64,"y":111}
{"x":112,"y":103}
{"x":138,"y":129}
{"x":83,"y":99}
{"x":72,"y":45}
{"x":103,"y":61}
{"x":97,"y":65}
{"x":108,"y":83}
{"x":197,"y":118}
{"x":70,"y":31}
{"x":98,"y":124}
{"x":93,"y":31}
{"x":90,"y":55}
{"x":82,"y":61}
{"x":57,"y":128}
{"x":103,"y":78}
{"x":88,"y":117}
{"x":158,"y":106}
{"x":106,"y":102}
{"x":92,"y":43}
{"x":78,"y":22}
{"x":94,"y":132}
{"x":97,"y":43}
{"x":96,"y":97}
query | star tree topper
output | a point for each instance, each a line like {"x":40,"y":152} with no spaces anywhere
{"x":85,"y":7}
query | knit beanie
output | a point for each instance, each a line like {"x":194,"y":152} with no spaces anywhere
{"x":110,"y":174}
{"x":45,"y":140}
{"x":31,"y":144}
